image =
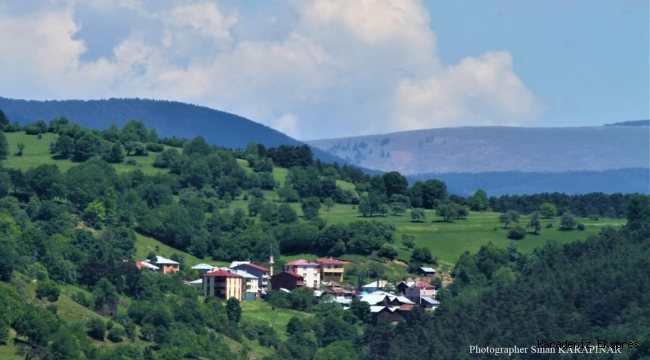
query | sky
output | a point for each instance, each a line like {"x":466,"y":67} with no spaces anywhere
{"x":333,"y":68}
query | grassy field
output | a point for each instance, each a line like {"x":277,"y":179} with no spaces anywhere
{"x":36,"y":153}
{"x":145,"y":244}
{"x":261,"y":311}
{"x":448,"y":240}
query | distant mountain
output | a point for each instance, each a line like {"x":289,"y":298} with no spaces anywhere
{"x":625,"y":181}
{"x":631,"y":123}
{"x":497,"y":149}
{"x":168,"y":117}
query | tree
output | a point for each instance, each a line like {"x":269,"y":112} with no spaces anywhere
{"x":21,"y":147}
{"x":417,"y":215}
{"x":95,"y":213}
{"x":395,"y":184}
{"x":422,"y":255}
{"x":4,"y":146}
{"x":397,"y":208}
{"x":310,"y":207}
{"x":568,"y":221}
{"x":4,"y":330}
{"x":85,"y":147}
{"x":64,"y":146}
{"x":255,"y":205}
{"x":96,"y":328}
{"x":408,"y":241}
{"x":233,"y":310}
{"x":114,"y":155}
{"x":4,"y":120}
{"x":517,"y":233}
{"x":329,"y":203}
{"x":447,"y":210}
{"x":478,"y":201}
{"x":535,"y":222}
{"x":48,"y":290}
{"x":638,"y":211}
{"x":547,"y":210}
{"x":432,"y":192}
{"x":509,"y":217}
{"x":286,"y":214}
{"x":387,"y":251}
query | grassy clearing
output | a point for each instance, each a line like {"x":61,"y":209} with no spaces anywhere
{"x":448,"y":241}
{"x":37,"y":153}
{"x":145,"y":244}
{"x":260,"y":311}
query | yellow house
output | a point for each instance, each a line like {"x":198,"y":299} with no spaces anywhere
{"x":223,"y":284}
{"x":331,"y":269}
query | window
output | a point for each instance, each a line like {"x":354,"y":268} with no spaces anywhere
{"x":304,"y":274}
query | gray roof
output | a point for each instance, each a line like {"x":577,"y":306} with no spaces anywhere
{"x":202,"y":267}
{"x":430,"y":300}
{"x":428,"y":269}
{"x":164,"y":261}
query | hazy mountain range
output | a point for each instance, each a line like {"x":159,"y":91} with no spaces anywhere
{"x":496,"y":149}
{"x":501,"y":160}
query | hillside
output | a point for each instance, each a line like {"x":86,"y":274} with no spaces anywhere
{"x":496,"y":149}
{"x":170,"y":118}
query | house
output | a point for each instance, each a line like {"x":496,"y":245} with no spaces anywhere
{"x":385,"y":299}
{"x":197,"y":284}
{"x":375,"y":286}
{"x":250,"y":287}
{"x":403,"y":285}
{"x":429,"y":304}
{"x":167,"y":266}
{"x":146,"y":265}
{"x":339,"y":293}
{"x":331,"y":269}
{"x":307,"y":269}
{"x":287,"y":280}
{"x":223,"y":284}
{"x":426,"y":271}
{"x":203,"y":268}
{"x":260,"y":272}
{"x":384,"y":312}
{"x":420,"y":289}
{"x":234,"y":264}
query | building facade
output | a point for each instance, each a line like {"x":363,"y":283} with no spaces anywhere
{"x":223,"y":284}
{"x":167,"y":266}
{"x":287,"y":280}
{"x":260,"y":272}
{"x":331,"y":270}
{"x":419,"y":290}
{"x":308,"y":270}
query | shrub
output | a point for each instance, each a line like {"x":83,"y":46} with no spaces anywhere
{"x":131,"y":162}
{"x":594,"y":217}
{"x":517,"y":233}
{"x":154,"y":147}
{"x":116,"y":334}
{"x":81,"y":299}
{"x":49,"y":290}
{"x":549,"y":225}
{"x":32,"y":130}
{"x":387,"y":251}
{"x":581,"y":227}
{"x":52,"y":308}
{"x":96,"y":329}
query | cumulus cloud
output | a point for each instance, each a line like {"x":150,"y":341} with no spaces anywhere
{"x":333,"y":68}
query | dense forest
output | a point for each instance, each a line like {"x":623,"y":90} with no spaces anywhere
{"x":77,"y":230}
{"x":585,"y":291}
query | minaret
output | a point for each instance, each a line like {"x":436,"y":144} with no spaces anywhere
{"x":270,"y":268}
{"x":271,"y":261}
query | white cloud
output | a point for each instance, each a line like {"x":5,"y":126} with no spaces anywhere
{"x":341,"y":67}
{"x":288,"y":124}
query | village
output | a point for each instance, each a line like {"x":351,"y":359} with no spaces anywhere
{"x":246,"y":281}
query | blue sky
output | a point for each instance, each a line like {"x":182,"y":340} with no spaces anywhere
{"x":331,"y":68}
{"x":588,"y":61}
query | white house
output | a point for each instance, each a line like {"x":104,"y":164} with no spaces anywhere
{"x":375,"y":286}
{"x":251,"y":285}
{"x":308,"y":270}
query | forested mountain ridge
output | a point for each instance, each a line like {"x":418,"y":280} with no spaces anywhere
{"x":170,"y":118}
{"x":496,"y":149}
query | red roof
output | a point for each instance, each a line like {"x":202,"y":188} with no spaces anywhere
{"x":222,"y":273}
{"x":406,"y":307}
{"x":331,"y":262}
{"x":301,"y":262}
{"x":424,"y":284}
{"x":258,"y":267}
